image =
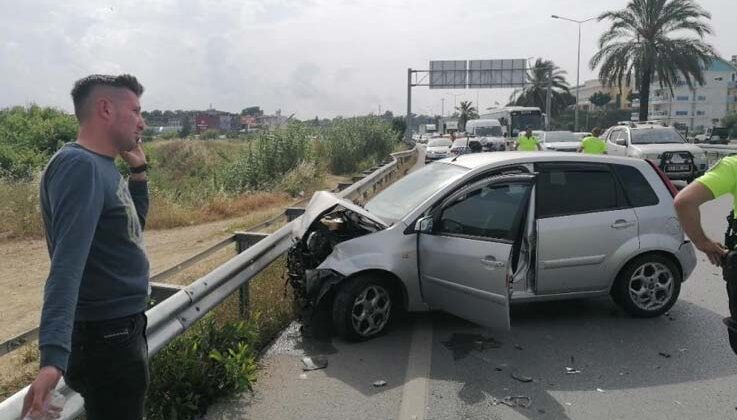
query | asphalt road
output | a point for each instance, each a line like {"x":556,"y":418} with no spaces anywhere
{"x":437,"y":366}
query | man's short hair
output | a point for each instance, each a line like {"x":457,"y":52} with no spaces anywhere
{"x":84,"y":87}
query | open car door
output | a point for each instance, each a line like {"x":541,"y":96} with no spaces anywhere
{"x":466,"y":246}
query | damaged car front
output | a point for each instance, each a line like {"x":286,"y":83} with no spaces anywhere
{"x":357,"y":266}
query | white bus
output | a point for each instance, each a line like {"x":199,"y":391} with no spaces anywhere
{"x":515,"y":119}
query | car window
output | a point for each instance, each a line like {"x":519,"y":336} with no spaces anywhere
{"x":568,"y":190}
{"x":439,"y":143}
{"x":612,"y":137}
{"x":638,"y":191}
{"x":408,"y":192}
{"x":491,"y":212}
{"x":656,"y":136}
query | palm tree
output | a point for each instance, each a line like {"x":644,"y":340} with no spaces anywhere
{"x":466,"y":112}
{"x":641,"y":42}
{"x":536,"y":91}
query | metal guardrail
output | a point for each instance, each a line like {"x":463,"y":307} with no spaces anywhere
{"x":715,"y":152}
{"x":175,"y":314}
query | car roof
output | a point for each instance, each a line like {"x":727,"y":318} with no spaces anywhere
{"x":492,"y":159}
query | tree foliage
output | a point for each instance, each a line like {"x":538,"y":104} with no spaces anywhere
{"x":648,"y":41}
{"x":535,"y":93}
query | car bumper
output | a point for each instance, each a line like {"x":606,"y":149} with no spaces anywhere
{"x":687,"y":258}
{"x":684,"y":176}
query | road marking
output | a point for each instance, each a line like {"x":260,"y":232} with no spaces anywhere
{"x":416,"y":383}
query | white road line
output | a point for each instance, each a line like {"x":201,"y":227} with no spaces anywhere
{"x":414,"y":395}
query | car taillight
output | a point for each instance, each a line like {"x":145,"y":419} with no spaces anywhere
{"x":663,"y":177}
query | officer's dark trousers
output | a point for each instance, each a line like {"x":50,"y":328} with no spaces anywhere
{"x":108,"y":366}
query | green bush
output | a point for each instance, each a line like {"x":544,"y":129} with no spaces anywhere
{"x":268,"y":158}
{"x":210,"y":134}
{"x":169,"y":135}
{"x":357,"y":142}
{"x":29,"y":136}
{"x":208,"y":362}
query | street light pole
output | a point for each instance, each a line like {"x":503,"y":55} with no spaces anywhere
{"x":578,"y":62}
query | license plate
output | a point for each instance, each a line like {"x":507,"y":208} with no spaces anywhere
{"x":677,"y":168}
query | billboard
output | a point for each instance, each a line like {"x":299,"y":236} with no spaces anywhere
{"x":448,"y":74}
{"x":510,"y":73}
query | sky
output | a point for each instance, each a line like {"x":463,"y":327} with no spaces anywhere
{"x":306,"y":57}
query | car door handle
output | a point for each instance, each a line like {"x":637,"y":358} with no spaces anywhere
{"x":622,"y":224}
{"x":491,"y":261}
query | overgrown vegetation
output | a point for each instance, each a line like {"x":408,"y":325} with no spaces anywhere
{"x":193,"y":181}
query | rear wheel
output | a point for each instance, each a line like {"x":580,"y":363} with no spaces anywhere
{"x":648,"y":286}
{"x":363,"y":307}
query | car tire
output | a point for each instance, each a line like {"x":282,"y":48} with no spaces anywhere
{"x":363,"y":307}
{"x":648,"y":286}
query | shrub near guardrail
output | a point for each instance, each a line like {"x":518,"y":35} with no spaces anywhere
{"x":206,"y":363}
{"x":351,"y":142}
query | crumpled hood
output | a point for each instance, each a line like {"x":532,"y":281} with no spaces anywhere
{"x":673,"y":147}
{"x":323,"y":202}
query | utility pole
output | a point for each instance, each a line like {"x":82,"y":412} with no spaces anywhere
{"x":408,"y":119}
{"x":442,"y":107}
{"x":578,"y":63}
{"x":549,"y":101}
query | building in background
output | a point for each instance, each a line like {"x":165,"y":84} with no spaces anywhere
{"x":590,"y":87}
{"x":732,"y":92}
{"x":699,"y":108}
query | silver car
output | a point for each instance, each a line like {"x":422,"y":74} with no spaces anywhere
{"x":473,"y":234}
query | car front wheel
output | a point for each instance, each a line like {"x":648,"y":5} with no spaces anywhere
{"x":648,"y":286}
{"x":363,"y":308}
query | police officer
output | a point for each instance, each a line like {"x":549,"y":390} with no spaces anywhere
{"x":593,"y":145}
{"x":718,"y":181}
{"x":527,"y":142}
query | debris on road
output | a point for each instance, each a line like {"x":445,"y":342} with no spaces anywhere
{"x":522,"y":378}
{"x":600,"y":390}
{"x":462,"y":344}
{"x":302,"y":376}
{"x":379,"y":384}
{"x":498,"y":369}
{"x":664,"y":354}
{"x":520,"y":401}
{"x":314,"y":363}
{"x":518,"y":347}
{"x":572,"y":371}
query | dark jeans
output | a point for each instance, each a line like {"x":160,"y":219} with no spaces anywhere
{"x":108,"y":366}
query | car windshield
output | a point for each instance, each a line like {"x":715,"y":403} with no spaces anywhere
{"x":656,"y":136}
{"x":495,"y":131}
{"x":460,"y":143}
{"x":560,"y":137}
{"x":439,"y":143}
{"x":403,"y":196}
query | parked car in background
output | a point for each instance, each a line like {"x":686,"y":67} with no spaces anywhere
{"x":580,"y":135}
{"x":437,"y":148}
{"x":677,"y":158}
{"x":561,"y":141}
{"x":488,"y":132}
{"x":473,"y":235}
{"x":465,"y":145}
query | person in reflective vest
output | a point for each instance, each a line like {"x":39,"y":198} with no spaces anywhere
{"x":527,"y":142}
{"x":593,"y":145}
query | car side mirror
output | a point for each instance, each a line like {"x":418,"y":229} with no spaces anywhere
{"x":621,"y":142}
{"x":424,"y":225}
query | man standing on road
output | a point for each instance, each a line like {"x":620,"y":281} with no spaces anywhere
{"x":93,"y":323}
{"x":593,"y":145}
{"x":718,"y":181}
{"x":527,"y":142}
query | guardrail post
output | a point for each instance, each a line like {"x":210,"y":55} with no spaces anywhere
{"x":293,"y":213}
{"x":243,"y":241}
